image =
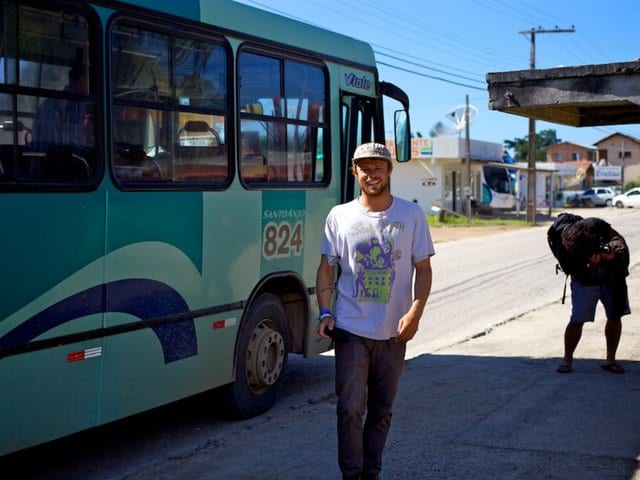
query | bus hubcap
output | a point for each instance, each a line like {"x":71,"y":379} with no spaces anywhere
{"x":265,"y":357}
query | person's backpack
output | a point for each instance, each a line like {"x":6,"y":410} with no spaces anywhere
{"x":554,"y":238}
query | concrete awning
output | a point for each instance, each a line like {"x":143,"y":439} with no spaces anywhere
{"x":584,"y":96}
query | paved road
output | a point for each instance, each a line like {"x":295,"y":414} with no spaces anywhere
{"x":480,"y":398}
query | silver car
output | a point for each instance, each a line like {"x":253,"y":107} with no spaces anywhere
{"x":596,"y":196}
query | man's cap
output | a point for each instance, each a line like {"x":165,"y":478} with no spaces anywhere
{"x":371,"y":150}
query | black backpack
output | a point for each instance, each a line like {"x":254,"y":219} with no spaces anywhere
{"x":554,"y":238}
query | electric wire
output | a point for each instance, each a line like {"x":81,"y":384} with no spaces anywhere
{"x":385,"y":20}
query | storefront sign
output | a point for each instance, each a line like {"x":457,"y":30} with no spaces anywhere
{"x":607,"y":173}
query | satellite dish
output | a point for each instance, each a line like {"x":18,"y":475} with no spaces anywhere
{"x":454,"y":121}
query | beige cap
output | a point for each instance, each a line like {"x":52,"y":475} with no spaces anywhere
{"x":371,"y":150}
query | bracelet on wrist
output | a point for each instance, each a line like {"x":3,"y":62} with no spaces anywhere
{"x":325,"y":315}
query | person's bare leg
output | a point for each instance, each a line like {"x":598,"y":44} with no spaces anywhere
{"x":612,"y":333}
{"x":572,"y":335}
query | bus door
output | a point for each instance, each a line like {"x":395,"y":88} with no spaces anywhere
{"x":362,"y":120}
{"x":358,"y":126}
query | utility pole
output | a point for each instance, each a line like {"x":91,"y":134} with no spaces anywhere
{"x":468,"y":157}
{"x":531,"y":164}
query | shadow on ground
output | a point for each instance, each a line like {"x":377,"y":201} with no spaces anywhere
{"x":456,"y":417}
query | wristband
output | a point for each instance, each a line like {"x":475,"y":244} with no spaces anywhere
{"x":324,"y":311}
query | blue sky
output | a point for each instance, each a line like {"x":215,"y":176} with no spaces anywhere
{"x":448,"y":47}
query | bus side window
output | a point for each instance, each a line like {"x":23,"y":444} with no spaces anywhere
{"x":282,"y":123}
{"x":48,"y":117}
{"x":181,"y":129}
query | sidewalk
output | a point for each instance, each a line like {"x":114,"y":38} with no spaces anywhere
{"x":497,"y":409}
{"x":489,"y":408}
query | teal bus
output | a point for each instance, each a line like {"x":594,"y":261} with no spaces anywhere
{"x":165,"y":171}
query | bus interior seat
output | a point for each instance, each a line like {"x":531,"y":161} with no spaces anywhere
{"x":131,"y":163}
{"x":60,"y":163}
{"x":200,"y":152}
{"x":253,"y":164}
{"x":197,"y":140}
{"x":6,"y":161}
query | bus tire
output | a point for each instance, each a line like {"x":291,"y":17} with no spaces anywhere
{"x":261,"y":357}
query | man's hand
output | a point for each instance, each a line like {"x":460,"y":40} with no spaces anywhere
{"x":408,"y":327}
{"x":596,"y":259}
{"x":325,"y":323}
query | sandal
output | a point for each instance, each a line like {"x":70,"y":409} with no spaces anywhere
{"x":613,"y":367}
{"x":564,"y":368}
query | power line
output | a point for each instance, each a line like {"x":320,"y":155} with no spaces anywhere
{"x":430,"y":76}
{"x":477,"y":52}
{"x":408,"y":55}
{"x":396,"y":67}
{"x":427,"y":34}
{"x":428,"y":67}
{"x":478,"y":56}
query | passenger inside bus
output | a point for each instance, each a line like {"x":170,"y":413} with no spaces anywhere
{"x":63,"y":130}
{"x":64,"y":122}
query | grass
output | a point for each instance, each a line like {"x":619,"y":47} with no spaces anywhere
{"x":453,"y":221}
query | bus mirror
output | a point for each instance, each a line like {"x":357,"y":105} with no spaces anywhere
{"x":402,"y":136}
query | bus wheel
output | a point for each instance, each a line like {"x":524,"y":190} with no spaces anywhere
{"x":261,"y":357}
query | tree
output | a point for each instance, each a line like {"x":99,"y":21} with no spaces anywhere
{"x":520,"y":146}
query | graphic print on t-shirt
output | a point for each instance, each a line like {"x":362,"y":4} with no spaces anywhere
{"x":376,"y":270}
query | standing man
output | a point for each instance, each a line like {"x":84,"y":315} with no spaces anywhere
{"x":383,"y":247}
{"x":598,"y":259}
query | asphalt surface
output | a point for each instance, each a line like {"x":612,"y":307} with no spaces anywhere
{"x":490,"y":407}
{"x":497,"y":408}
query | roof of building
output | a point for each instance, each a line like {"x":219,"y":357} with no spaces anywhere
{"x":617,"y":134}
{"x":586,"y":147}
{"x":583,"y":96}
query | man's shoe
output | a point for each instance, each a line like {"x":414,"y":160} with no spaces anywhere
{"x":370,"y":476}
{"x":351,"y":477}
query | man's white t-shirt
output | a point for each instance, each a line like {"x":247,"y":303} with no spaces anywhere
{"x":376,"y":252}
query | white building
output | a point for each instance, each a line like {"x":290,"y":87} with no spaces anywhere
{"x":436,"y":175}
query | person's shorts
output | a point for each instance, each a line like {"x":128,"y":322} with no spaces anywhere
{"x":584,"y":300}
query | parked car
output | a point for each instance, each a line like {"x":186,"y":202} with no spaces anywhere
{"x":596,"y":196}
{"x":630,"y":198}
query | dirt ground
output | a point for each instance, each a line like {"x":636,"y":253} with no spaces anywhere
{"x":449,"y":234}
